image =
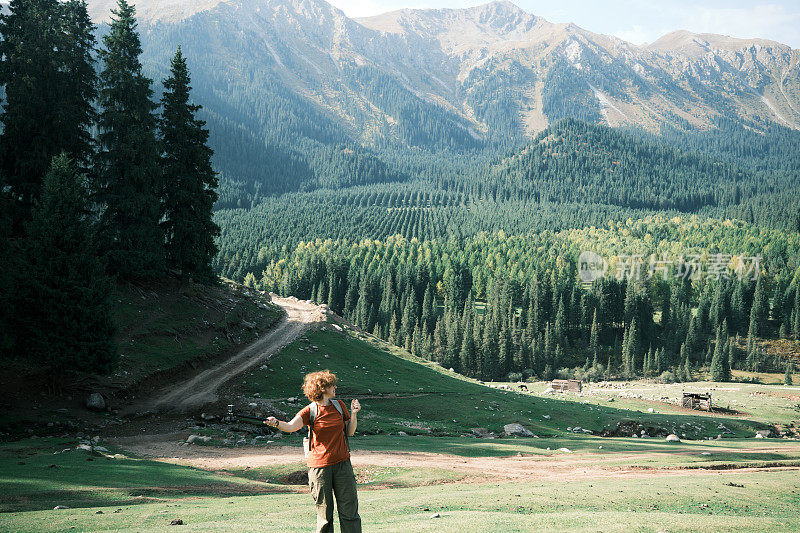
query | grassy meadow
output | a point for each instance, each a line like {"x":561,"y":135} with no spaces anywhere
{"x":399,"y":392}
{"x":702,"y":483}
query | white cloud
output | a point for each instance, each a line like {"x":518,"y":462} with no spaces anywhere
{"x":637,"y":34}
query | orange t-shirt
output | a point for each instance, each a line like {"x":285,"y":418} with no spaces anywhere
{"x":328,"y":446}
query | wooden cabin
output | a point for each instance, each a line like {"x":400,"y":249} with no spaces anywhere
{"x":567,"y":385}
{"x":697,"y":401}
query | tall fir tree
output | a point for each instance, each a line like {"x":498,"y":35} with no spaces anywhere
{"x":129,"y":181}
{"x":687,"y":367}
{"x":560,"y":325}
{"x":78,"y":87}
{"x":189,"y":181}
{"x":30,"y":71}
{"x":759,"y":311}
{"x":733,"y":352}
{"x":720,"y":368}
{"x":627,"y":359}
{"x":594,"y":336}
{"x":467,"y":354}
{"x":796,"y":324}
{"x":64,"y":310}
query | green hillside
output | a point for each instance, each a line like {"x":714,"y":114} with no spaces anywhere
{"x":399,"y":392}
{"x":165,"y":325}
{"x":575,"y":161}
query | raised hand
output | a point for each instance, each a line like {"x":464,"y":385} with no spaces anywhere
{"x":355,"y":406}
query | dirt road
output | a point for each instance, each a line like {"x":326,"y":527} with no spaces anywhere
{"x":202,"y":388}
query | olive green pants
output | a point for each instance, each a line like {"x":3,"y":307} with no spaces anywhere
{"x":335,"y":480}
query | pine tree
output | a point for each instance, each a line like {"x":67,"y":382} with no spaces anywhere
{"x":627,"y":363}
{"x":190,"y":182}
{"x":129,"y":182}
{"x":560,"y":324}
{"x":720,"y":369}
{"x":31,"y":74}
{"x":489,"y":348}
{"x":548,"y":347}
{"x":630,"y":349}
{"x":417,"y":341}
{"x":427,"y":317}
{"x":453,"y":339}
{"x":759,"y":311}
{"x":717,"y":311}
{"x":681,"y":370}
{"x":796,"y":323}
{"x":467,"y":355}
{"x":78,"y":86}
{"x":439,"y":347}
{"x":394,"y":336}
{"x":64,"y":312}
{"x":693,"y":335}
{"x":787,"y":377}
{"x":660,"y":363}
{"x":738,"y":316}
{"x":408,"y":321}
{"x":687,"y":368}
{"x":505,"y":350}
{"x":558,"y":358}
{"x":733,"y":353}
{"x":594,"y":336}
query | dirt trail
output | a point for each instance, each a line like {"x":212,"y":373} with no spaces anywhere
{"x":579,"y":465}
{"x":202,"y":388}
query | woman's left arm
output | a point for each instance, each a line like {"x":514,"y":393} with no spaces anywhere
{"x":355,"y":407}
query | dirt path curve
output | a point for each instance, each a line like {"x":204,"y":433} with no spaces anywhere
{"x":169,"y":448}
{"x":202,"y":388}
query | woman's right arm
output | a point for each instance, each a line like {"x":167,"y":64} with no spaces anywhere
{"x":289,"y":427}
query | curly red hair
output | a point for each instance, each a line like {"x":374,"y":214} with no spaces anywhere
{"x":315,"y":383}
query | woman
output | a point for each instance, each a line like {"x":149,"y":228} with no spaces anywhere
{"x":329,"y":470}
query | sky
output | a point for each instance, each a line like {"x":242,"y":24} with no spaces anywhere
{"x":636,"y":21}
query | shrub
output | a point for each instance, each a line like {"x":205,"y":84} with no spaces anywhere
{"x":667,"y":377}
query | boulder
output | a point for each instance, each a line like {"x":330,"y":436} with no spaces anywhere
{"x":517,"y":430}
{"x":673,"y":438}
{"x":565,"y":450}
{"x":96,"y":402}
{"x":764,"y":433}
{"x":479,"y":432}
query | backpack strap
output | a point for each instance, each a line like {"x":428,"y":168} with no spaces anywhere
{"x":338,"y":407}
{"x":312,"y":415}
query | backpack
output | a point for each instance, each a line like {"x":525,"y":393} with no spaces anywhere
{"x":312,"y":415}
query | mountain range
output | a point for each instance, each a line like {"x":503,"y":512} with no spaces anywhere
{"x":491,"y":70}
